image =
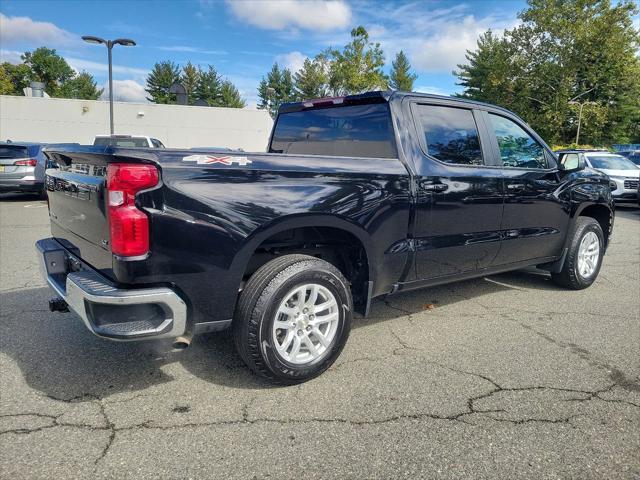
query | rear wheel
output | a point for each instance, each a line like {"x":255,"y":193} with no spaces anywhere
{"x":293,"y":318}
{"x":584,"y":257}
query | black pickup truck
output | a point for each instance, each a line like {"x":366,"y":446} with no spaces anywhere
{"x":357,"y":197}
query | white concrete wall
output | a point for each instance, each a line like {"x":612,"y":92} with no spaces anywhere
{"x":64,"y":120}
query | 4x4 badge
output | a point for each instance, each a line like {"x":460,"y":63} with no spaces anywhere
{"x":209,"y":159}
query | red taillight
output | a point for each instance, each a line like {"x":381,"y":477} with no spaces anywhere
{"x":128,"y":226}
{"x":30,"y":162}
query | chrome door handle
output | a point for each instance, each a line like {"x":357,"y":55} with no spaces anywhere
{"x":516,"y":186}
{"x":435,"y":187}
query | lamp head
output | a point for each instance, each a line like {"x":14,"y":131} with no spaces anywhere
{"x":94,"y":40}
{"x":126,"y":42}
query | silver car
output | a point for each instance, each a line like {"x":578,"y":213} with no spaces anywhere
{"x":22,"y":167}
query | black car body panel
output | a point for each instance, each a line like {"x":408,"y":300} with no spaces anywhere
{"x":420,"y":221}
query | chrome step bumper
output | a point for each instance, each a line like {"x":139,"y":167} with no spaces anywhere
{"x":107,"y":311}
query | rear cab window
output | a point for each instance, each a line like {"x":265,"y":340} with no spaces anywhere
{"x":450,"y":134}
{"x":342,"y":131}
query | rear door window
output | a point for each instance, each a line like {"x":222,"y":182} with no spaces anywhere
{"x":345,"y":131}
{"x":517,"y":147}
{"x":450,"y":134}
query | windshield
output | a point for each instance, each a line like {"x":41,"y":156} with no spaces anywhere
{"x":612,"y":162}
{"x":633,"y":156}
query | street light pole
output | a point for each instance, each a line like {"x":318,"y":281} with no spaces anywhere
{"x":579,"y":122}
{"x":573,"y":101}
{"x":109,"y":48}
{"x":125,"y":42}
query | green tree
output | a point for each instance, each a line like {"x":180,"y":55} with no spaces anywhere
{"x":358,"y":67}
{"x":311,"y":81}
{"x":6,"y":85}
{"x":281,"y":81}
{"x":230,"y":96}
{"x":490,"y":70}
{"x":189,"y":77}
{"x":559,"y":51}
{"x":401,"y":77}
{"x":48,"y":67}
{"x":209,"y":87}
{"x":14,"y":78}
{"x":162,"y":76}
{"x":82,"y":86}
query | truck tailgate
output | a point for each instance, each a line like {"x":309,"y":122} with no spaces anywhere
{"x":77,"y":207}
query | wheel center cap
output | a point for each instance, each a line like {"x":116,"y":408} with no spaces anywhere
{"x":303,"y":321}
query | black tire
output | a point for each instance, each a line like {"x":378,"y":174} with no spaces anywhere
{"x":259,"y":303}
{"x":570,"y":276}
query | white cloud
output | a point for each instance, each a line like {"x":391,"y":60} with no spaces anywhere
{"x":292,"y":60}
{"x":80,"y":64}
{"x":279,"y":15}
{"x":125,"y":91}
{"x":435,"y":39}
{"x":25,"y":31}
{"x":443,"y":51}
{"x":431,"y":89}
{"x":184,"y":48}
{"x":11,"y":56}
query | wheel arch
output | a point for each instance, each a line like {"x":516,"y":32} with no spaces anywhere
{"x":242,"y":261}
{"x":601,"y":213}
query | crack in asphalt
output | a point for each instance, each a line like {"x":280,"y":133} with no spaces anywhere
{"x":615,"y":374}
{"x":471,"y":403}
{"x":112,"y":435}
{"x":245,"y":419}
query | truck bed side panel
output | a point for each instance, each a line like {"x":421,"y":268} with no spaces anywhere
{"x":206,"y":219}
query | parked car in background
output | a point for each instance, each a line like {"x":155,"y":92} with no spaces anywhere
{"x":357,"y":197}
{"x":624,"y":175}
{"x":621,"y":171}
{"x":139,"y":141}
{"x":22,"y":167}
{"x":633,"y":155}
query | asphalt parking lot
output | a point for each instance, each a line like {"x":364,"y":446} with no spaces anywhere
{"x":506,"y":377}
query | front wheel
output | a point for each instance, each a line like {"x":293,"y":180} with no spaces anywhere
{"x":293,"y":318}
{"x":584,"y":257}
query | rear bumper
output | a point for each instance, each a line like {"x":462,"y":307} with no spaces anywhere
{"x":107,"y":311}
{"x":20,"y":185}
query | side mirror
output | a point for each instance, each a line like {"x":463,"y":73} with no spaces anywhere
{"x":570,"y":162}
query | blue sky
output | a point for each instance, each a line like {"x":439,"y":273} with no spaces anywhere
{"x":242,"y":39}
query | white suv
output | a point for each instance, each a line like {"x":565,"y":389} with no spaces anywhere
{"x":624,"y":174}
